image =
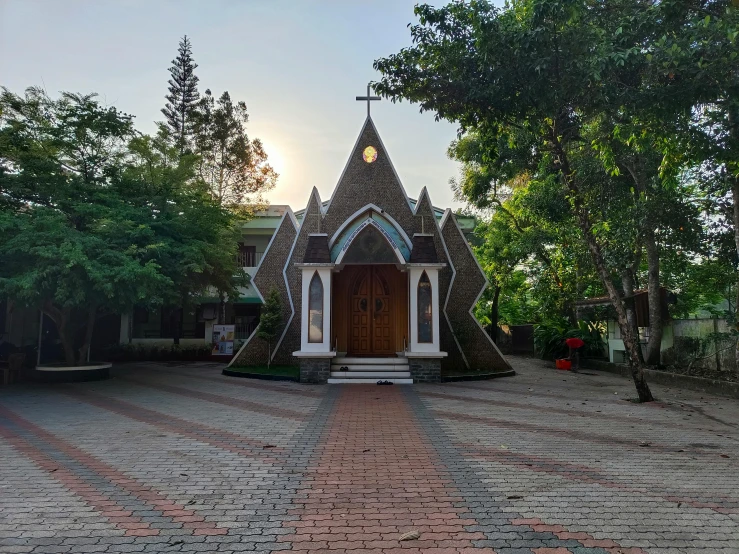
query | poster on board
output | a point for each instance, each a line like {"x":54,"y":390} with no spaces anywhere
{"x":223,"y":340}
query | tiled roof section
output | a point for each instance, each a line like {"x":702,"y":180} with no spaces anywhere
{"x":423,"y":251}
{"x":317,"y":250}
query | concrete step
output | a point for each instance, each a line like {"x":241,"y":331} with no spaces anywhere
{"x":370,"y":361}
{"x":367,"y":367}
{"x":371,"y":374}
{"x":340,"y":380}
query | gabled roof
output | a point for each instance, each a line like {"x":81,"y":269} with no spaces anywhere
{"x":438,"y":212}
{"x":465,"y":222}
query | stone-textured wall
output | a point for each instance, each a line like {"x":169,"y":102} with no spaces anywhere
{"x":315,"y":370}
{"x":270,"y":275}
{"x":478,"y":348}
{"x":291,"y":343}
{"x":373,"y":183}
{"x":425,"y":210}
{"x":425,"y":370}
{"x":377,"y":183}
{"x":361,"y":184}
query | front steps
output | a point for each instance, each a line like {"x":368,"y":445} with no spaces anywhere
{"x":370,"y":370}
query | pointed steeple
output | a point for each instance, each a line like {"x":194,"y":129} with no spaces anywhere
{"x":312,"y":221}
{"x":369,"y":177}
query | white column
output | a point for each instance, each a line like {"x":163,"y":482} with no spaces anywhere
{"x":324,"y":273}
{"x":414,"y":277}
{"x":125,"y":333}
{"x":209,"y":330}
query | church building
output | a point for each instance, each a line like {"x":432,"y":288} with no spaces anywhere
{"x":373,"y":285}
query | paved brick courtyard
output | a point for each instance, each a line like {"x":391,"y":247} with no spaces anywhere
{"x":167,"y":458}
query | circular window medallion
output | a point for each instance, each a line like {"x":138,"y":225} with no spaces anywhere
{"x":369,"y":154}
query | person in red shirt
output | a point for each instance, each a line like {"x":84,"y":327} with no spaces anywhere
{"x":574,"y":344}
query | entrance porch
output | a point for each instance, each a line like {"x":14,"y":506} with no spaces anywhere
{"x":369,"y":322}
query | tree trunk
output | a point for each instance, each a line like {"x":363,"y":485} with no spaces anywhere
{"x":631,"y":342}
{"x":733,"y":117}
{"x":628,"y":335}
{"x":628,"y":282}
{"x":654,"y":344}
{"x":61,"y":320}
{"x":176,"y":324}
{"x":570,"y":314}
{"x":654,"y":298}
{"x":735,"y":200}
{"x":221,"y":310}
{"x":68,"y":346}
{"x":494,"y":313}
{"x":90,"y":326}
{"x":67,"y":339}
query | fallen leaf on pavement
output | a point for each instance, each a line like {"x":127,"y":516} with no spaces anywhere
{"x":410,"y":536}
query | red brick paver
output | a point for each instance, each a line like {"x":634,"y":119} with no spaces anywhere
{"x":541,"y":463}
{"x":69,"y":457}
{"x":375,"y":477}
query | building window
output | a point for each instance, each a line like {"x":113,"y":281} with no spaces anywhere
{"x":315,"y":309}
{"x":425,"y":321}
{"x":247,"y":256}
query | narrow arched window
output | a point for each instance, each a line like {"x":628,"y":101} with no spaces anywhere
{"x":315,"y":309}
{"x":425,"y":313}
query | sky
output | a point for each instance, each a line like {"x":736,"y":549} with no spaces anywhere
{"x":298,"y":65}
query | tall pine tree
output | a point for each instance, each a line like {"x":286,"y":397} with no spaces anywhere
{"x":183,"y":95}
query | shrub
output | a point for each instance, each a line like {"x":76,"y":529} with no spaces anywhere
{"x":549,"y":339}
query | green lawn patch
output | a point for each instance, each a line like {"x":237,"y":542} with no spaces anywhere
{"x":473,"y":375}
{"x":276,"y":371}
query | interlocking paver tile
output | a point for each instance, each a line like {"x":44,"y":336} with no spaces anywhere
{"x":178,"y":458}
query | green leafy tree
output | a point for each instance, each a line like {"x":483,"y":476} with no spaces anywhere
{"x":517,"y":303}
{"x":97,"y":219}
{"x":183,"y":97}
{"x":694,"y":63}
{"x":498,"y":257}
{"x":616,"y":102}
{"x":235,"y":167}
{"x":530,"y":228}
{"x":536,"y":69}
{"x":270,"y":321}
{"x":197,"y":237}
{"x":73,"y":245}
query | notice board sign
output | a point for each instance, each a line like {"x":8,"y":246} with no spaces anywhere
{"x":223,"y":340}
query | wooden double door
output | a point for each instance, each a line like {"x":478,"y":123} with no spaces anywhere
{"x":371,"y":315}
{"x":370,"y":310}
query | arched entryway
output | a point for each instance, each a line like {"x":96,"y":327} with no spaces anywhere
{"x":370,"y":310}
